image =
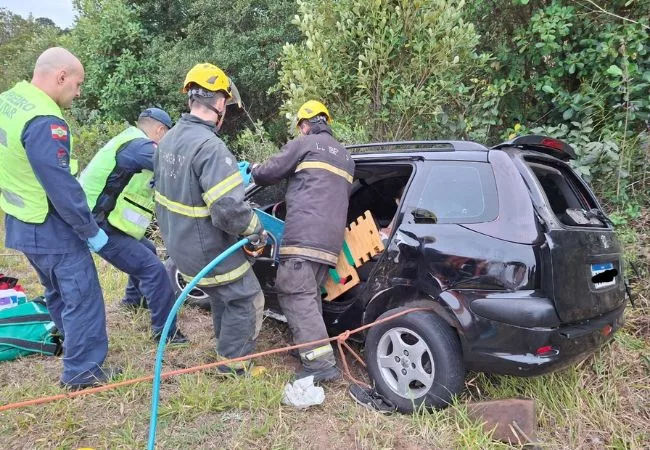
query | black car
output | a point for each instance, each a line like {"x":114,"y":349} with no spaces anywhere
{"x":507,"y":246}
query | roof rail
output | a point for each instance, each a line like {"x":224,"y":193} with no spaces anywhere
{"x":441,"y":146}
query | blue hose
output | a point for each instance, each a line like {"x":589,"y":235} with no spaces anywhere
{"x":155,"y":391}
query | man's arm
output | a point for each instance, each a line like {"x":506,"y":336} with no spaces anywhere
{"x":47,"y":144}
{"x":223,"y":190}
{"x":137,"y":155}
{"x":279,"y":166}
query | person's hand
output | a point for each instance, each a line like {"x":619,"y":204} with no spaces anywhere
{"x":245,"y":170}
{"x":97,"y":242}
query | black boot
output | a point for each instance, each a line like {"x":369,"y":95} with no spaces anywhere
{"x":321,"y":375}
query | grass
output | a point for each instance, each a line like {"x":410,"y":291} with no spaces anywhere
{"x":602,"y":403}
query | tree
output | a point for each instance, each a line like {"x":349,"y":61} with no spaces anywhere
{"x":45,"y":22}
{"x":165,"y":19}
{"x":559,"y":61}
{"x":402,"y":69}
{"x":21,"y":41}
{"x":244,"y":38}
{"x":12,"y":25}
{"x":120,"y":71}
{"x":580,"y":71}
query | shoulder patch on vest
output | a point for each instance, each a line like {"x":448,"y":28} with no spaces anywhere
{"x":59,"y":132}
{"x":63,"y":160}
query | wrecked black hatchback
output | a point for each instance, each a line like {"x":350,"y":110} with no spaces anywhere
{"x":507,"y":246}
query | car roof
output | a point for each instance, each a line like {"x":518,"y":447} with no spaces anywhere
{"x":419,"y":150}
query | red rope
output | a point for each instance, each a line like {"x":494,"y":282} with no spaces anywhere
{"x":340,"y":339}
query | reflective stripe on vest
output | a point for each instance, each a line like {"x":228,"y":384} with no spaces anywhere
{"x":134,"y":206}
{"x":309,"y":253}
{"x":252,"y":225}
{"x":21,"y":195}
{"x":133,"y":211}
{"x":136,"y":218}
{"x":222,"y":188}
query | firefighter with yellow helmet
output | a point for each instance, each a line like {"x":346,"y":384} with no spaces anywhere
{"x":319,"y":171}
{"x":201,"y":211}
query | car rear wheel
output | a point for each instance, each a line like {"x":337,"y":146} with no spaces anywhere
{"x":415,"y":359}
{"x":196,"y":296}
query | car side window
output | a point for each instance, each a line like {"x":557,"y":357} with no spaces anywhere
{"x":459,"y":192}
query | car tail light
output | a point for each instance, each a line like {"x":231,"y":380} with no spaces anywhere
{"x":546,"y":350}
{"x":552,"y":143}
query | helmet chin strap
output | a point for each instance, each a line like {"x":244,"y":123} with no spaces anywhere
{"x":220,"y":122}
{"x":220,"y":115}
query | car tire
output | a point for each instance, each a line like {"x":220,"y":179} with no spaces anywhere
{"x":196,"y":297}
{"x":433,"y":377}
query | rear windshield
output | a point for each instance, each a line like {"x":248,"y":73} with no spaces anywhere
{"x":460,"y":192}
{"x":566,"y":195}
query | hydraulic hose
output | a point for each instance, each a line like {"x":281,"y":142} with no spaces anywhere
{"x":155,"y":390}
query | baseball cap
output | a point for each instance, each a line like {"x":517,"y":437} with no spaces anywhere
{"x":159,"y":115}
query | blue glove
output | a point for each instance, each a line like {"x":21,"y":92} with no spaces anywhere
{"x":97,"y":242}
{"x":245,"y":170}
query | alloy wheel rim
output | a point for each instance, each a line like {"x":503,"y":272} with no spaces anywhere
{"x":405,"y":362}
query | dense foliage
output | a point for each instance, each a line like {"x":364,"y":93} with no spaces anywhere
{"x":21,"y":41}
{"x":399,"y":69}
{"x":388,"y":69}
{"x":579,"y":72}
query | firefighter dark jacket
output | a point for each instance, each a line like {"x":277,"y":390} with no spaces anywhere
{"x":320,"y":172}
{"x":200,"y":205}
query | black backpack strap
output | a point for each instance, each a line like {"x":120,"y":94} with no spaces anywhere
{"x":26,"y":319}
{"x":40,"y":347}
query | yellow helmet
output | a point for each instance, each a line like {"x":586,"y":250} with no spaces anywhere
{"x":313,"y":108}
{"x":211,"y":78}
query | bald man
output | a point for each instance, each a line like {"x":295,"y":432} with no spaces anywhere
{"x":47,"y":216}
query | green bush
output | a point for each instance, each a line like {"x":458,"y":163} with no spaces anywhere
{"x":253,"y":145}
{"x":573,"y":71}
{"x":397,"y":69}
{"x":89,"y":138}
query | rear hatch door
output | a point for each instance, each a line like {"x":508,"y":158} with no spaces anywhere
{"x":582,"y":261}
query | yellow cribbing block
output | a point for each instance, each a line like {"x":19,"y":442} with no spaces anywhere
{"x":362,"y":241}
{"x":348,"y":279}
